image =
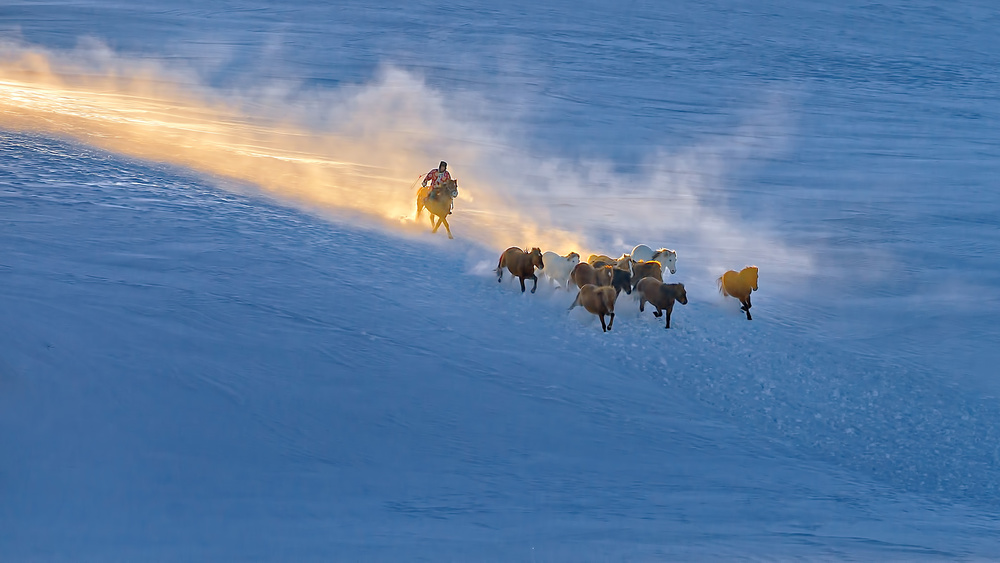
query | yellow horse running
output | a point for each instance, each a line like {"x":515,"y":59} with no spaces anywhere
{"x":440,"y":205}
{"x":740,"y":285}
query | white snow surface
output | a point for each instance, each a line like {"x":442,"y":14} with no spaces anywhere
{"x":193,"y":367}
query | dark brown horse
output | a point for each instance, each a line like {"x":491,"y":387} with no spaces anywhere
{"x":521,"y":264}
{"x":660,"y":295}
{"x":439,"y":205}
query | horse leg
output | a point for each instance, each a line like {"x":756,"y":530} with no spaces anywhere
{"x":436,"y":227}
{"x":669,"y":310}
{"x":612,"y":321}
{"x":604,"y":327}
{"x":522,"y":284}
{"x":447,"y":228}
{"x":642,"y":304}
{"x":535,"y":278}
{"x":658,"y":312}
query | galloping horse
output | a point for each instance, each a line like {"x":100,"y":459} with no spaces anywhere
{"x":439,"y":206}
{"x":521,"y":264}
{"x":739,"y":285}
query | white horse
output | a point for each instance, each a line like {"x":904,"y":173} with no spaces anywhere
{"x":558,"y":268}
{"x":665,"y":256}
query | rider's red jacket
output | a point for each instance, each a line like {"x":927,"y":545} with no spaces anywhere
{"x":435,"y":178}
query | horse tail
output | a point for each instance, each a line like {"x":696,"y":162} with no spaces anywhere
{"x":420,"y":200}
{"x":722,"y":285}
{"x":576,"y":301}
{"x":501,"y":264}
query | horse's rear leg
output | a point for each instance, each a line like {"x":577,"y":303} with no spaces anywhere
{"x":612,"y":321}
{"x":604,"y":327}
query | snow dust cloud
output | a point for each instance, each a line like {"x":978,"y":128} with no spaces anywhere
{"x":359,"y":151}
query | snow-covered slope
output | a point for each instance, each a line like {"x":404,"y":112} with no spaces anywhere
{"x":190,"y":373}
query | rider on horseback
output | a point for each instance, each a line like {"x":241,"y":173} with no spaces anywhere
{"x":436,"y":177}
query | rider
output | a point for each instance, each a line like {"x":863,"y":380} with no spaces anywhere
{"x":436,"y":177}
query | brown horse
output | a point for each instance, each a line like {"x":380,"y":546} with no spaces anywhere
{"x":599,"y":301}
{"x":440,"y":205}
{"x":651,"y":269}
{"x":583,"y":273}
{"x":739,"y":285}
{"x":521,"y":264}
{"x":660,"y":295}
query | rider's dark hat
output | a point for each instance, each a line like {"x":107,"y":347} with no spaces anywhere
{"x":443,"y":163}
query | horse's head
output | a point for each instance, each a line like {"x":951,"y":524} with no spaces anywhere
{"x":621,"y":279}
{"x":573,"y":258}
{"x":450,"y":188}
{"x":668,"y":258}
{"x":536,"y":258}
{"x":680,"y":294}
{"x":749,"y":276}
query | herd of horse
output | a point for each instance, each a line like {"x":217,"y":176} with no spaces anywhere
{"x":601,"y":279}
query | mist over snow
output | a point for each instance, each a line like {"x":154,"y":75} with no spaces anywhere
{"x":226,"y":337}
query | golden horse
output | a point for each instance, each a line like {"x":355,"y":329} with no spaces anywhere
{"x":439,"y":206}
{"x":740,"y":285}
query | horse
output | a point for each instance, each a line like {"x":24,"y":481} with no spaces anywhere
{"x":625,"y":263}
{"x":740,"y":285}
{"x":439,"y":206}
{"x":621,"y":279}
{"x":559,"y":267}
{"x":651,"y":269}
{"x":599,"y":301}
{"x":604,"y":258}
{"x":665,"y":256}
{"x":583,"y":274}
{"x":521,"y":264}
{"x":660,"y":295}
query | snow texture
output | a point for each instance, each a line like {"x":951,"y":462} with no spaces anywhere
{"x":194,"y":366}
